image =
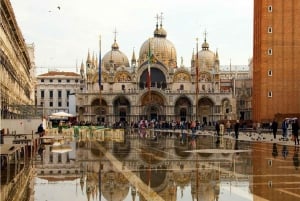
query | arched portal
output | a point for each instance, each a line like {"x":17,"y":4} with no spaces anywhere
{"x":205,"y":110}
{"x":153,"y":106}
{"x":99,"y":110}
{"x":121,"y":107}
{"x":183,"y":109}
{"x":226,"y":108}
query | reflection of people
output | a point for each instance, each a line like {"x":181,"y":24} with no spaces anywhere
{"x":236,"y":145}
{"x":228,"y":127}
{"x":295,"y":131}
{"x":285,"y":151}
{"x":236,"y":129}
{"x":274,"y":151}
{"x":1,"y":136}
{"x":193,"y":143}
{"x":218,"y":128}
{"x":274,"y":127}
{"x":296,"y":158}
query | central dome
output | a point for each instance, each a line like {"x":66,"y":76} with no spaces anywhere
{"x":163,"y":50}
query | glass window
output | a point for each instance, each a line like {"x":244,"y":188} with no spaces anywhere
{"x":269,"y":72}
{"x":51,"y":94}
{"x":270,"y":52}
{"x":59,"y":93}
{"x":270,"y":9}
{"x":269,"y":29}
{"x":42,"y":94}
{"x":270,"y":94}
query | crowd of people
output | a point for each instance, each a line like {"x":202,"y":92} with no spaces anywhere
{"x":285,"y":125}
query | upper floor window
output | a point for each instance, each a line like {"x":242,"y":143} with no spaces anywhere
{"x":270,"y":29}
{"x":270,"y":94}
{"x":270,"y":9}
{"x":59,"y":80}
{"x":68,"y":81}
{"x":42,"y":80}
{"x":59,"y":94}
{"x":50,"y":80}
{"x":270,"y":52}
{"x":181,"y":87}
{"x":269,"y":72}
{"x":42,"y":94}
{"x":51,"y":94}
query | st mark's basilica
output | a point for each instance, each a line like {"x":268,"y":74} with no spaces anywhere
{"x":155,"y":87}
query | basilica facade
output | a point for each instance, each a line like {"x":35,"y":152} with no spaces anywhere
{"x":154,"y":86}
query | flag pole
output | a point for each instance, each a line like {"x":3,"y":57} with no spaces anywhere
{"x":99,"y":79}
{"x":197,"y":78}
{"x":149,"y":71}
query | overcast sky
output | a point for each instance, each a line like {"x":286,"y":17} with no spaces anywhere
{"x":62,"y":37}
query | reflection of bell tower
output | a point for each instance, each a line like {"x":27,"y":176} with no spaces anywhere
{"x":205,"y":184}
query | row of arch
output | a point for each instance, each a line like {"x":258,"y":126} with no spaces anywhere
{"x":152,"y":105}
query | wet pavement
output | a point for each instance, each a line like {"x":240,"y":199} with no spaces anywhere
{"x":169,"y":168}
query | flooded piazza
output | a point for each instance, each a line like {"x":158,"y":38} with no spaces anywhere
{"x":167,"y":167}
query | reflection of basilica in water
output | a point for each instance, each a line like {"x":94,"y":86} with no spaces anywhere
{"x":145,"y":169}
{"x":154,"y":86}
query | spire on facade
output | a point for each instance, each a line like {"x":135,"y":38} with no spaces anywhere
{"x":115,"y":45}
{"x":133,"y":59}
{"x":193,"y":58}
{"x":88,"y":59}
{"x":205,"y":45}
{"x":82,"y":69}
{"x":217,"y":55}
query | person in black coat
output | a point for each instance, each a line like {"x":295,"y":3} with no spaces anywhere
{"x":236,"y":129}
{"x":274,"y":128}
{"x":295,"y":131}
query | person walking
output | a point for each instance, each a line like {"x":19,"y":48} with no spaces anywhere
{"x":274,"y":127}
{"x":295,"y":131}
{"x":284,"y":127}
{"x":236,"y":129}
{"x":193,"y":128}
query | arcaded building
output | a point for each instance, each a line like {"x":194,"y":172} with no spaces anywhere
{"x":154,"y":86}
{"x":16,"y":67}
{"x":276,"y":72}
